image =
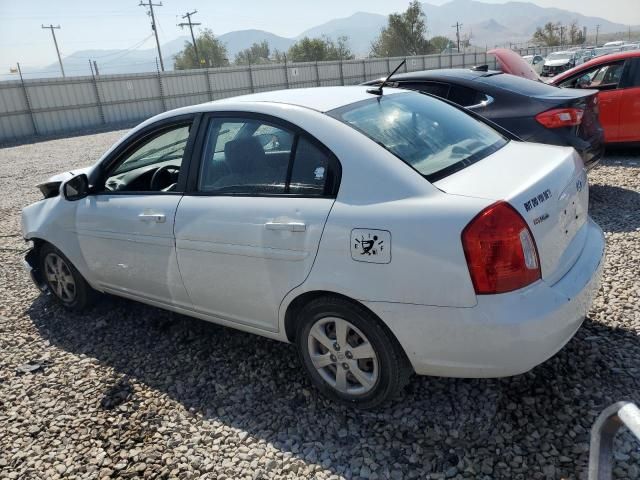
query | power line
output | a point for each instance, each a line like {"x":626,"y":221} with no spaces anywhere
{"x":55,"y":42}
{"x":193,"y":38}
{"x":153,"y":26}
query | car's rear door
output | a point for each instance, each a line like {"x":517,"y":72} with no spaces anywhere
{"x":629,"y":92}
{"x":125,"y":227}
{"x":248,"y":229}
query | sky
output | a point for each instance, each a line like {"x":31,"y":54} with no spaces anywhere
{"x":89,"y":24}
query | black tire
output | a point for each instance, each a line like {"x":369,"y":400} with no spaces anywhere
{"x":78,"y":298}
{"x":392,"y":369}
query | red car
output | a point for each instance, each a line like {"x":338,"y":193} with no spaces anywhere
{"x":616,"y":77}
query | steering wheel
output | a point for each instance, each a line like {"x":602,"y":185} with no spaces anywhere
{"x":167,"y":176}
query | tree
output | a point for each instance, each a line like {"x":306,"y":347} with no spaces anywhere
{"x":320,"y":49}
{"x":548,"y":35}
{"x":405,"y":34}
{"x":575,"y":34}
{"x":255,"y":54}
{"x":439,"y":43}
{"x":213,"y":53}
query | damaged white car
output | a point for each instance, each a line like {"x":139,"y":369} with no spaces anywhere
{"x":384,"y":232}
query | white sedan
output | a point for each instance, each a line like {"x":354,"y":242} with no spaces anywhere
{"x":382,"y":233}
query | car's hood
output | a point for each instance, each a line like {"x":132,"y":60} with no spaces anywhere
{"x":511,"y":62}
{"x":557,"y":63}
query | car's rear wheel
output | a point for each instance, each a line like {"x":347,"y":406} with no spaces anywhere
{"x":63,"y":280}
{"x":348,"y":354}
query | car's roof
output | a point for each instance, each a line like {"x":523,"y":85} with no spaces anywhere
{"x":610,"y":57}
{"x":321,"y":99}
{"x":459,"y":73}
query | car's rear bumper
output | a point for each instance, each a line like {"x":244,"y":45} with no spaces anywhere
{"x":502,"y":335}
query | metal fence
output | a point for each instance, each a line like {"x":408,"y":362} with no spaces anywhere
{"x":38,"y":107}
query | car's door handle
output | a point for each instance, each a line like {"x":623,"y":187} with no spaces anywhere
{"x":152,"y":217}
{"x":290,"y":226}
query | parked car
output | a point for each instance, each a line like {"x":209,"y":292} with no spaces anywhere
{"x":382,"y":231}
{"x":537,"y":61}
{"x":533,"y":111}
{"x":558,"y":62}
{"x":617,"y":79}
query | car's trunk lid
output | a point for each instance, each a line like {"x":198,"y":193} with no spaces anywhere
{"x":511,"y":62}
{"x":585,"y":100}
{"x":547,"y":185}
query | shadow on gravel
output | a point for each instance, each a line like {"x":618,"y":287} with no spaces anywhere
{"x":534,"y":425}
{"x":615,"y":209}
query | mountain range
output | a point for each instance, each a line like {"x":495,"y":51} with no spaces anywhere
{"x":488,"y":24}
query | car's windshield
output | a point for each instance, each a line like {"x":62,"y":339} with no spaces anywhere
{"x":432,"y":136}
{"x":560,"y":56}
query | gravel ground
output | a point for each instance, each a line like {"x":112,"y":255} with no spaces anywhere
{"x":132,"y":391}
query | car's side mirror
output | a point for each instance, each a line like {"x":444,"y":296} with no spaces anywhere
{"x":76,"y":188}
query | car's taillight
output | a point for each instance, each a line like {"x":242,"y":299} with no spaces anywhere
{"x":560,"y":117}
{"x":500,"y":250}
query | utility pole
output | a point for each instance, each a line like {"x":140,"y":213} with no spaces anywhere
{"x":561,"y":35}
{"x":457,"y":27}
{"x":150,"y":4}
{"x":193,"y":38}
{"x":55,"y":42}
{"x":597,"y":31}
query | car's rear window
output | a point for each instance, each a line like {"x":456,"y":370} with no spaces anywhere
{"x":520,"y":85}
{"x":432,"y":136}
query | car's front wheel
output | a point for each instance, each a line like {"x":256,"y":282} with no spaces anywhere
{"x":63,"y":279}
{"x":348,"y":353}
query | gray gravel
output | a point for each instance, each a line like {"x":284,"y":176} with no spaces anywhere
{"x":132,"y":391}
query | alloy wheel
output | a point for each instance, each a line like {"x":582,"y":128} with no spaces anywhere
{"x":343,"y":356}
{"x":59,"y":277}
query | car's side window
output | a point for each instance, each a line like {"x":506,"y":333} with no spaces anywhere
{"x":314,"y":171}
{"x":245,"y":156}
{"x":153,"y":165}
{"x":602,"y":77}
{"x":633,"y":76}
{"x":257,"y":157}
{"x":464,"y":96}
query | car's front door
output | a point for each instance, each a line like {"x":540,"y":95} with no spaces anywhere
{"x":125,"y":227}
{"x":249,"y":230}
{"x":630,"y":99}
{"x":604,"y":78}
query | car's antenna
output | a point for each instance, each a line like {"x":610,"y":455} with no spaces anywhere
{"x":378,"y":89}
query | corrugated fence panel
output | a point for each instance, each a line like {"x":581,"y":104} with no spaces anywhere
{"x":230,"y":81}
{"x":330,"y":74}
{"x":12,"y":99}
{"x":303,"y":75}
{"x":353,"y":71}
{"x":269,"y":78}
{"x":56,"y":94}
{"x":377,"y":68}
{"x":67,"y":120}
{"x":14,"y":127}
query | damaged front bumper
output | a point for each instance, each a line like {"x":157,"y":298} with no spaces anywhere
{"x":31,"y":265}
